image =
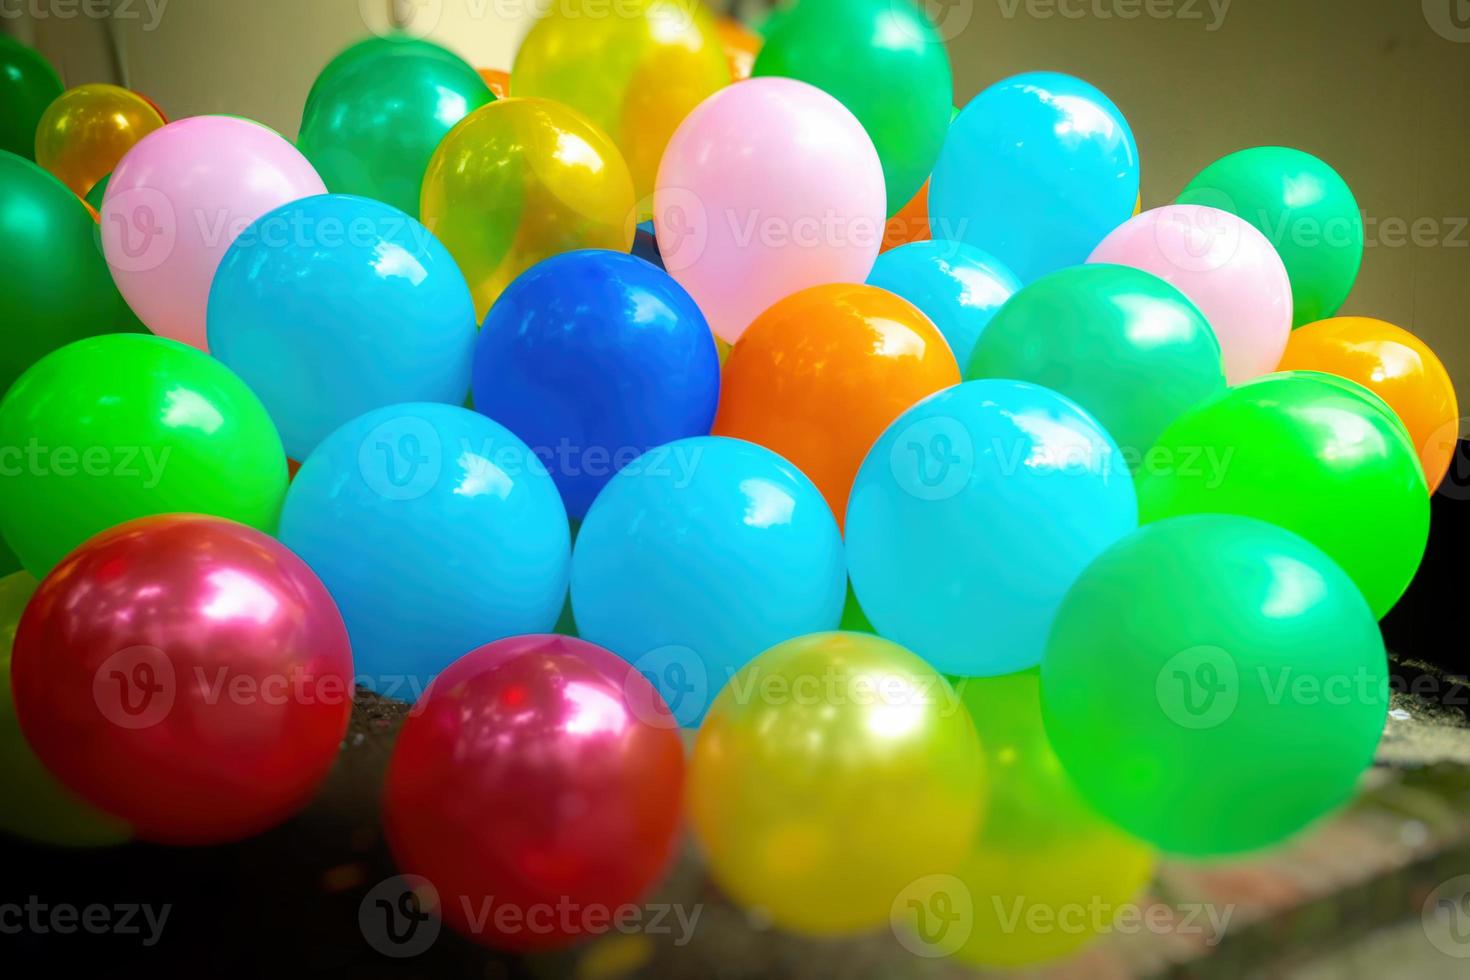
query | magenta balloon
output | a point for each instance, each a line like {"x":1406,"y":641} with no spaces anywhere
{"x":179,"y":198}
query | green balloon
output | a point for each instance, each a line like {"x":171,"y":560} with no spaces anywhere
{"x":378,"y":110}
{"x":94,"y":196}
{"x":886,"y":62}
{"x":1310,"y":452}
{"x":8,"y":562}
{"x":854,"y":620}
{"x":1213,"y":684}
{"x":1125,"y":345}
{"x":117,"y":427}
{"x":1306,"y":210}
{"x":28,"y":84}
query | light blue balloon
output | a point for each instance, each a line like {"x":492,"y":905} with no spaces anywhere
{"x":956,"y":285}
{"x":700,"y":555}
{"x":436,"y":530}
{"x":1036,"y":170}
{"x":331,"y":306}
{"x":974,"y":513}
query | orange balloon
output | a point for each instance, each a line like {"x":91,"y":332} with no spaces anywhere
{"x":910,"y":224}
{"x":820,"y":375}
{"x":499,"y":81}
{"x":741,"y":45}
{"x":87,"y":129}
{"x":1396,"y":366}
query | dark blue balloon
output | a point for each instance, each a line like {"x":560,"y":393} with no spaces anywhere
{"x":645,"y":245}
{"x":592,"y":358}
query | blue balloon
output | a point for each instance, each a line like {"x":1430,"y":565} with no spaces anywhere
{"x":956,"y":285}
{"x":593,"y":357}
{"x":700,"y":555}
{"x":645,"y":245}
{"x":436,"y":531}
{"x":334,"y":305}
{"x":974,"y":513}
{"x":1036,"y":170}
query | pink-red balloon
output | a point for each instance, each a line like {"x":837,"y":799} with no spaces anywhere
{"x":187,"y":674}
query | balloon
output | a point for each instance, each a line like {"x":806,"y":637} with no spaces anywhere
{"x":1306,"y":211}
{"x":593,"y":358}
{"x":334,"y":305}
{"x":1222,"y":265}
{"x":378,"y":110}
{"x":1308,"y":452}
{"x":537,"y":776}
{"x":972,"y":516}
{"x":697,"y":556}
{"x":820,"y":375}
{"x":86,"y":131}
{"x":1396,"y":366}
{"x":833,"y":773}
{"x":126,"y":425}
{"x":769,"y":187}
{"x":910,"y":224}
{"x":1036,"y":170}
{"x":54,"y":285}
{"x":436,"y":530}
{"x":636,"y":73}
{"x":35,"y":806}
{"x":197,"y":653}
{"x":175,"y":204}
{"x":956,"y":285}
{"x":497,"y":80}
{"x":28,"y":84}
{"x":645,"y":245}
{"x":1249,"y":670}
{"x":741,"y":45}
{"x":519,"y":181}
{"x":1125,"y":345}
{"x":885,"y":61}
{"x":94,"y":199}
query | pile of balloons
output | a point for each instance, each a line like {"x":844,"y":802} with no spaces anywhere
{"x":994,"y":537}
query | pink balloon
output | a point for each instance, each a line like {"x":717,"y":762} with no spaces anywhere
{"x":768,"y":187}
{"x":178,"y":199}
{"x":1225,"y":266}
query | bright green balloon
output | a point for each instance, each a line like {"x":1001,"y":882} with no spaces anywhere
{"x":378,"y":110}
{"x":1125,"y":345}
{"x":854,"y":620}
{"x":117,"y":427}
{"x":94,"y":196}
{"x":1213,"y":684}
{"x":1309,"y":452}
{"x":1306,"y":210}
{"x":28,"y":84}
{"x":886,"y":62}
{"x":8,"y":562}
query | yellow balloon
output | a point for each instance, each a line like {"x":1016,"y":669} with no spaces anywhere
{"x":521,"y":180}
{"x":87,"y":129}
{"x":833,"y":773}
{"x":635,"y":67}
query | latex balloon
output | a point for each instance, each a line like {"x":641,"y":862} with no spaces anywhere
{"x":175,"y":204}
{"x":436,"y":530}
{"x":334,"y":305}
{"x":910,"y":224}
{"x":885,"y":61}
{"x":564,"y":729}
{"x":1250,"y":671}
{"x":521,"y":180}
{"x":955,"y":285}
{"x":636,"y":73}
{"x":974,"y":513}
{"x":1396,"y":366}
{"x":28,"y":84}
{"x":1125,"y":345}
{"x":35,"y":806}
{"x":1306,"y":211}
{"x":117,"y":427}
{"x":820,"y":375}
{"x":94,"y":198}
{"x":1036,"y":170}
{"x":697,"y":556}
{"x":1308,"y":452}
{"x":54,"y":285}
{"x":769,"y":187}
{"x":1226,"y":268}
{"x":833,"y":773}
{"x":497,"y":80}
{"x":198,"y":651}
{"x":378,"y":110}
{"x":593,"y":358}
{"x":741,"y":45}
{"x":86,"y":131}
{"x":645,"y":245}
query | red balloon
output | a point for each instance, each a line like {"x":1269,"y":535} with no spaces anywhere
{"x":536,"y":787}
{"x":188,"y":674}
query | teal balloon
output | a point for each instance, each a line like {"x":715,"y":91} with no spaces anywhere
{"x":28,"y":84}
{"x":956,"y":285}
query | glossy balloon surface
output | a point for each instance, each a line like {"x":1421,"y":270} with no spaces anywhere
{"x":955,"y":285}
{"x":28,"y":84}
{"x":86,"y":131}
